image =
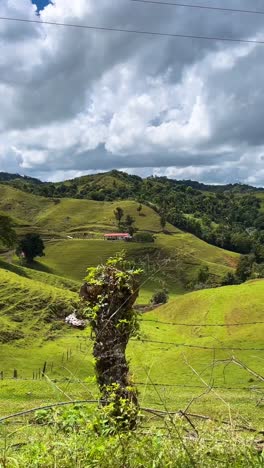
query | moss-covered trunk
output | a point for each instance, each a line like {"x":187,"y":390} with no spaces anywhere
{"x":110,"y":294}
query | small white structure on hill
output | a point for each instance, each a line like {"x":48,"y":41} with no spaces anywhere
{"x":75,"y":322}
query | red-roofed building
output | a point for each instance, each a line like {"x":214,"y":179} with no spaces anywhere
{"x":118,"y":236}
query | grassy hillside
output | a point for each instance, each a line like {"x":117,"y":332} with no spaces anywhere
{"x":30,"y":309}
{"x":41,"y":276}
{"x":167,"y":362}
{"x":186,"y":254}
{"x":207,"y":318}
{"x":221,"y":216}
{"x":59,"y":218}
{"x":71,"y":215}
{"x":226,"y":305}
{"x":21,"y":206}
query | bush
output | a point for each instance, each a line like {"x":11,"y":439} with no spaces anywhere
{"x":143,"y":237}
{"x":160,"y":297}
{"x":230,"y":279}
{"x":245,"y":267}
{"x":203,"y":275}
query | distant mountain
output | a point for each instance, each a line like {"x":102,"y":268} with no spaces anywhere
{"x":113,"y":185}
{"x":6,"y":177}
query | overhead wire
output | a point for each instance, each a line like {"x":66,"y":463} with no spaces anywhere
{"x":175,"y":324}
{"x":134,"y":31}
{"x":185,"y":345}
{"x":200,"y":7}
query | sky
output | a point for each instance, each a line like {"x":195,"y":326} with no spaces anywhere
{"x":76,"y":101}
{"x":41,"y":4}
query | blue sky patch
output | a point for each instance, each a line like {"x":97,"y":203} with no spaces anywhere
{"x":41,"y":3}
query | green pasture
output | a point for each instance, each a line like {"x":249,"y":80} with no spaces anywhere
{"x":36,"y":273}
{"x":178,"y":371}
{"x":71,"y":215}
{"x":184,"y":252}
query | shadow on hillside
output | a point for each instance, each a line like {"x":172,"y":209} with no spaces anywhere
{"x":12,"y":267}
{"x":20,"y":269}
{"x":39,"y":267}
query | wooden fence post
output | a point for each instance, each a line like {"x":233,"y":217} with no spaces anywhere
{"x":44,"y":369}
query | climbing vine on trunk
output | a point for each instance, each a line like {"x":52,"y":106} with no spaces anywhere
{"x":108,"y":296}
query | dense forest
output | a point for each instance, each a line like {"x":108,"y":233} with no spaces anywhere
{"x":227,"y":216}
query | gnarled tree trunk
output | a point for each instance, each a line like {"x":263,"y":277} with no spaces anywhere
{"x":110,"y":302}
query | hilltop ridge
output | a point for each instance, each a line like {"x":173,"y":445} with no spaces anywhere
{"x":24,"y":181}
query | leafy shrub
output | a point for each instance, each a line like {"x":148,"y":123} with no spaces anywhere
{"x":229,"y":279}
{"x":143,"y":237}
{"x":160,"y":297}
{"x":203,"y":275}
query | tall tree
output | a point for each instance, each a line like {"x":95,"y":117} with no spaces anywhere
{"x":30,"y":246}
{"x":244,"y":267}
{"x":163,"y":220}
{"x":128,"y":224}
{"x":139,"y":209}
{"x":7,"y":232}
{"x":119,"y":213}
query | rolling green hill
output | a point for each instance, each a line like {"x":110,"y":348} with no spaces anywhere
{"x":30,"y":309}
{"x":185,"y":255}
{"x":175,"y":339}
{"x":34,"y":302}
{"x":41,"y":276}
{"x":229,"y":317}
{"x":21,"y":206}
{"x":70,"y":215}
{"x":226,"y":305}
{"x":110,"y":182}
{"x":87,"y":215}
{"x":86,"y":220}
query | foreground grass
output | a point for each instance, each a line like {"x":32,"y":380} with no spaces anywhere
{"x":69,"y":439}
